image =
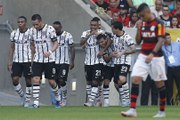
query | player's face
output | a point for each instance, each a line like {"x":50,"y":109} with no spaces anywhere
{"x":168,"y":39}
{"x":145,"y":15}
{"x":94,"y":25}
{"x":57,"y":27}
{"x":37,"y":24}
{"x":21,"y":23}
{"x":102,"y":42}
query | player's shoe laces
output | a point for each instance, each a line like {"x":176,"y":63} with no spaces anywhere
{"x":57,"y":105}
{"x":88,"y":104}
{"x":160,"y":114}
{"x":130,"y":113}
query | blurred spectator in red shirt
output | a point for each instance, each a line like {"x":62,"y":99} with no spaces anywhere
{"x":133,"y":18}
{"x":165,"y":16}
{"x":113,"y":7}
{"x":174,"y":22}
{"x":102,"y":4}
{"x":157,"y":8}
{"x":123,"y":16}
{"x":115,"y":17}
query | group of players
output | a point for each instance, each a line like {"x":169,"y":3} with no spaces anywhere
{"x":107,"y":55}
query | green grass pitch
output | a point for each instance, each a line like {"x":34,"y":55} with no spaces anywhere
{"x":83,"y":113}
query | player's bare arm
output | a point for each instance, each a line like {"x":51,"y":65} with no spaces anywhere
{"x":72,"y":51}
{"x":138,"y":34}
{"x":10,"y":57}
{"x":55,"y":46}
{"x":131,"y":50}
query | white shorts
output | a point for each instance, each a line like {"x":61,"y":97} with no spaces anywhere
{"x":156,"y":69}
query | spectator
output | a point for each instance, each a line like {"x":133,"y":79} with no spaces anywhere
{"x":147,"y":87}
{"x":177,"y":11}
{"x":165,"y":16}
{"x":172,"y":57}
{"x":133,"y":19}
{"x":113,"y":7}
{"x":126,"y":4}
{"x":157,"y":9}
{"x":170,"y":4}
{"x":102,"y":4}
{"x":115,"y":17}
{"x":123,"y":16}
{"x":174,"y":22}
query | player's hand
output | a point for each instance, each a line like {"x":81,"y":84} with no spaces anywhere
{"x":94,"y":32}
{"x":101,"y":53}
{"x":47,"y":54}
{"x":149,"y":58}
{"x":139,"y":24}
{"x":9,"y":66}
{"x":71,"y":66}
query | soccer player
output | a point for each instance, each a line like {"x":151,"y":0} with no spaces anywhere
{"x":19,"y":60}
{"x":93,"y":65}
{"x":108,"y":69}
{"x":44,"y":44}
{"x":63,"y":60}
{"x":150,"y":61}
{"x":123,"y":48}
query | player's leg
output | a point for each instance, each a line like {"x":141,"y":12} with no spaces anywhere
{"x":158,"y":74}
{"x":17,"y":70}
{"x":27,"y":72}
{"x":139,"y":73}
{"x":37,"y":70}
{"x":50,"y":72}
{"x":108,"y":74}
{"x":62,"y":79}
{"x":88,"y":75}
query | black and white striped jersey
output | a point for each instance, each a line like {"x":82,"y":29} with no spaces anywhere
{"x":122,"y":43}
{"x":22,"y":52}
{"x":43,"y":40}
{"x":62,"y":53}
{"x":91,"y":49}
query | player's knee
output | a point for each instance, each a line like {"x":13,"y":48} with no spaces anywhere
{"x":15,"y":81}
{"x":94,"y":83}
{"x":106,"y":82}
{"x":136,"y":80}
{"x":122,"y":79}
{"x":159,"y":84}
{"x":36,"y":80}
{"x":62,"y":83}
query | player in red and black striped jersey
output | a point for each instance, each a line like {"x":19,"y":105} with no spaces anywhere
{"x":150,"y":61}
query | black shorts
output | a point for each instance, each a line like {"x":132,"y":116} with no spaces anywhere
{"x":21,"y":68}
{"x":120,"y":70}
{"x":62,"y":71}
{"x":94,"y":72}
{"x":48,"y":69}
{"x":108,"y":72}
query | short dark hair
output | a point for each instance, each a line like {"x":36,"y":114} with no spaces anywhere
{"x":57,"y":23}
{"x":142,"y":7}
{"x":36,"y":17}
{"x":101,"y":36}
{"x":166,"y":6}
{"x":167,"y":34}
{"x":96,"y":19}
{"x":23,"y":17}
{"x":117,"y":25}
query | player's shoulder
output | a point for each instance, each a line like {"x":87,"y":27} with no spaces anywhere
{"x":159,"y":21}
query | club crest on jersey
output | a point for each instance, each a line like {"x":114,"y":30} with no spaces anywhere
{"x":149,"y":34}
{"x":152,"y":28}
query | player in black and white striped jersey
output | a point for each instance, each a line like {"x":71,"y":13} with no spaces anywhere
{"x":19,"y":61}
{"x":108,"y":69}
{"x":44,"y":44}
{"x":124,"y":46}
{"x":64,"y":59}
{"x":93,"y":65}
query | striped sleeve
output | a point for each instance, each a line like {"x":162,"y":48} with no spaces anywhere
{"x":160,"y":30}
{"x":12,"y":36}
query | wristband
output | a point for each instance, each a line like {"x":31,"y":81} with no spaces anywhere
{"x":50,"y":52}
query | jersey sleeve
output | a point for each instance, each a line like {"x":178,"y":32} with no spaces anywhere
{"x":129,"y":40}
{"x":160,"y":30}
{"x":84,"y":34}
{"x":70,"y":39}
{"x":52,"y":33}
{"x":12,"y":36}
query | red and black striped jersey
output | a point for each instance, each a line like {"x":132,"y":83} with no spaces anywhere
{"x":150,"y":32}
